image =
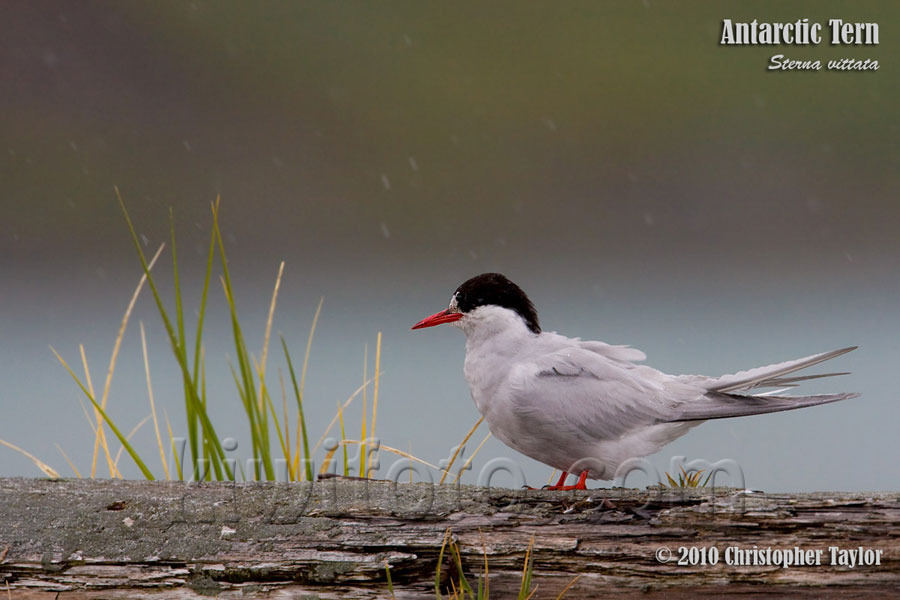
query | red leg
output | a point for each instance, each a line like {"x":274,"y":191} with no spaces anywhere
{"x":581,"y":481}
{"x":559,"y":484}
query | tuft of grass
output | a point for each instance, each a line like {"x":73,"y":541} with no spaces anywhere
{"x":205,"y":446}
{"x":525,"y":591}
{"x":461,"y":589}
{"x":207,"y":456}
{"x":688,"y":480}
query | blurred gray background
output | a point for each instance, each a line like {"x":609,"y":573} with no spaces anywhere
{"x":642,"y":183}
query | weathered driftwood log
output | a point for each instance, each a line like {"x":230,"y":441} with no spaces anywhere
{"x":73,"y":539}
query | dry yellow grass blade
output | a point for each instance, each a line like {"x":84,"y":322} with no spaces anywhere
{"x":128,"y":437}
{"x":525,"y":569}
{"x":172,"y":445}
{"x":266,"y":397}
{"x":329,"y":456}
{"x":458,"y":446}
{"x":162,"y":450}
{"x":265,"y":346}
{"x":261,"y":366}
{"x":71,"y":464}
{"x":287,"y":429}
{"x":365,"y":408}
{"x":327,"y":462}
{"x":47,"y":469}
{"x":468,"y":463}
{"x":568,"y":585}
{"x":100,"y":437}
{"x":375,"y":390}
{"x":343,"y":437}
{"x":487,"y":579}
{"x":552,"y":475}
{"x":394,"y":451}
{"x":309,"y":340}
{"x":334,"y":420}
{"x":87,"y":415}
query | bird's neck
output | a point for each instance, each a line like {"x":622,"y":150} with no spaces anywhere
{"x":494,"y":340}
{"x":494,"y":325}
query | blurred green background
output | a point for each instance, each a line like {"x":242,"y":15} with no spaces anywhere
{"x":643,"y":183}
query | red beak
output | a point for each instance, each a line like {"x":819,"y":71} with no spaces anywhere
{"x":445,"y":316}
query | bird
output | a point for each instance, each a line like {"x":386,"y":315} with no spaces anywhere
{"x":566,"y":402}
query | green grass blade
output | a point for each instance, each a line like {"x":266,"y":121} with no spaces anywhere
{"x":464,"y":586}
{"x":179,"y":319}
{"x":217,"y":465}
{"x":112,"y":426}
{"x":299,"y":397}
{"x":268,"y":400}
{"x":254,"y":404}
{"x":210,"y":256}
{"x":527,"y":572}
{"x":192,"y":396}
{"x":390,"y":584}
{"x":192,"y":418}
{"x":437,"y":572}
{"x":251,"y":418}
{"x":179,"y":312}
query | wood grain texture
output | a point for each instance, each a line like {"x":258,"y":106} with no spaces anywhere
{"x":76,"y":539}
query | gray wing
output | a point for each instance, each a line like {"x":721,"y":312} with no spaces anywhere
{"x":595,"y":397}
{"x":592,"y":394}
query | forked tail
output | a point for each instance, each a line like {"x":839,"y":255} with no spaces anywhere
{"x":721,"y":399}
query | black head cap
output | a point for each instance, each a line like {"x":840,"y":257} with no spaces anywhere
{"x":496,"y":289}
